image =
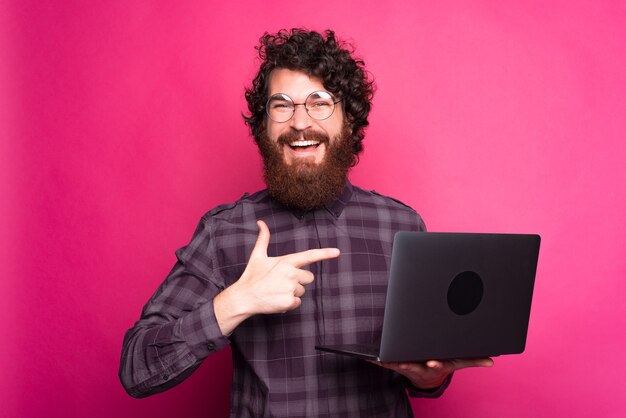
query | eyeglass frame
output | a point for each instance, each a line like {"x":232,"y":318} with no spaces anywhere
{"x":293,"y":112}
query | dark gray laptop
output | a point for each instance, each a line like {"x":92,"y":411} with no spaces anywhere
{"x":455,"y":295}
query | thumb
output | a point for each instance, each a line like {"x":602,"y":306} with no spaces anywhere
{"x":262,"y":242}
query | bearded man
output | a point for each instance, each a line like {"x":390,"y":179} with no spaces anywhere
{"x":303,"y":263}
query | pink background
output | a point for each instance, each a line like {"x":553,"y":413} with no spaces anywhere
{"x":120,"y":126}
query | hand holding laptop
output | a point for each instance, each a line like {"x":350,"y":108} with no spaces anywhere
{"x":461,"y":298}
{"x":432,"y":374}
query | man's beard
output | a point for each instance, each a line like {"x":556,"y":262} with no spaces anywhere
{"x":306,"y":185}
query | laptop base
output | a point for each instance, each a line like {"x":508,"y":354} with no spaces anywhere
{"x":366,"y":352}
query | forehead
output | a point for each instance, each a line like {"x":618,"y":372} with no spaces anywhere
{"x":296,"y":84}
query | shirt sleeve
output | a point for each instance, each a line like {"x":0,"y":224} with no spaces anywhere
{"x":421,"y":226}
{"x":177,"y":329}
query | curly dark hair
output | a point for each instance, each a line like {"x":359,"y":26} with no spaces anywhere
{"x":322,"y":57}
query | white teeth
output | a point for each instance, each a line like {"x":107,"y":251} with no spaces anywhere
{"x":303,"y":143}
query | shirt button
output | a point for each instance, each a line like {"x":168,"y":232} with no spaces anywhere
{"x":165,"y":377}
{"x":210,"y":346}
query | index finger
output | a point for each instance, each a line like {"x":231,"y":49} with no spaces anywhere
{"x":307,"y":257}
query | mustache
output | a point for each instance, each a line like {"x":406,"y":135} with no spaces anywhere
{"x":287,"y":137}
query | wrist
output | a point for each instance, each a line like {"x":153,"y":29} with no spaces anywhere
{"x":231,"y":309}
{"x":427,"y":387}
{"x":430,"y":385}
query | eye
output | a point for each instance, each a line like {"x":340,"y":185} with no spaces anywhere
{"x":280,"y":105}
{"x":319,"y":104}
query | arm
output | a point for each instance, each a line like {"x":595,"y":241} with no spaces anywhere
{"x":188,"y":317}
{"x":177,"y":328}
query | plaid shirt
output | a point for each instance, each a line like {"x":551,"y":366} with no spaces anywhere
{"x":277,"y":371}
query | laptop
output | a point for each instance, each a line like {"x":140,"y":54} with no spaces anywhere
{"x":454,"y":295}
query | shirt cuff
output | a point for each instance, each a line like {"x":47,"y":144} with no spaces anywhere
{"x":201,"y":331}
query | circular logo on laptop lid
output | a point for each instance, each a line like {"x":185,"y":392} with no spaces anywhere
{"x":465,"y":293}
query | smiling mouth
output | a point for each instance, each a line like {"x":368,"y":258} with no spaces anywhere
{"x":306,"y":145}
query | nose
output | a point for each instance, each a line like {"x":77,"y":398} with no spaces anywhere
{"x":300,"y":119}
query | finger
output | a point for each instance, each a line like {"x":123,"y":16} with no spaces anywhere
{"x":305,"y":277}
{"x":305,"y":258}
{"x":262,"y":241}
{"x":485,"y":362}
{"x":434,"y":364}
{"x":296,"y":303}
{"x":465,"y":363}
{"x":480,"y":362}
{"x":299,"y":291}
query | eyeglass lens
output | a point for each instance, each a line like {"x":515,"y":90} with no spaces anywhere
{"x":319,"y":105}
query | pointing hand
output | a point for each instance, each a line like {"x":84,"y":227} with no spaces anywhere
{"x":276,"y":284}
{"x":268,"y":284}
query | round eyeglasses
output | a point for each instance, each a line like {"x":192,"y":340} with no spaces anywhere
{"x":319,"y":105}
